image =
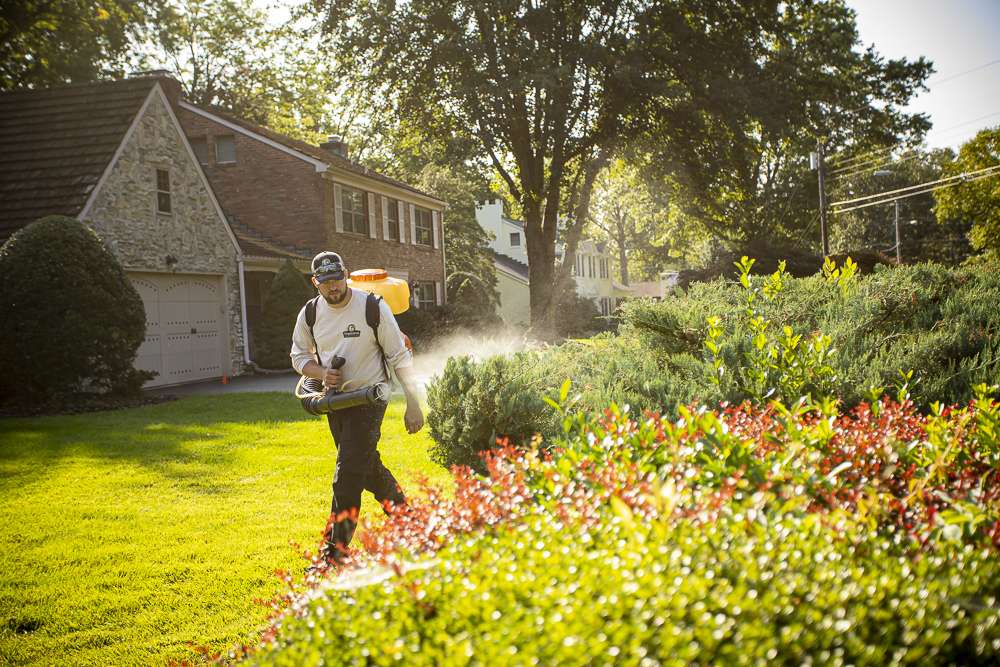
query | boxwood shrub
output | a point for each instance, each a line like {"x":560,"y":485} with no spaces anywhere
{"x":71,"y":318}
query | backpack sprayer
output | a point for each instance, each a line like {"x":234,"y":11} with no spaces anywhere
{"x":318,"y":400}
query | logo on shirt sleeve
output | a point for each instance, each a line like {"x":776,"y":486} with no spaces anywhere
{"x":351,"y":331}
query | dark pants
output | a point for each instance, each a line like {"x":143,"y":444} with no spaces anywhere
{"x":356,"y":432}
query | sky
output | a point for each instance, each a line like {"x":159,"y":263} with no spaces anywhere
{"x":957,"y":36}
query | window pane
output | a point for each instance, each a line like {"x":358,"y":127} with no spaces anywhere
{"x":163,"y":180}
{"x":225,"y":148}
{"x":352,"y":206}
{"x":200,"y":147}
{"x":163,"y":202}
{"x":515,"y":239}
{"x":423,"y":224}
{"x":392,"y":218}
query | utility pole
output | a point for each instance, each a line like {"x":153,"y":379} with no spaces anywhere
{"x":899,"y":250}
{"x":817,"y":163}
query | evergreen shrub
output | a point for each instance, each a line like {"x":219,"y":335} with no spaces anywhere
{"x":71,"y":319}
{"x":288,"y":292}
{"x":847,"y":335}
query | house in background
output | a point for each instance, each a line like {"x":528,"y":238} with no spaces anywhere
{"x":287,"y":199}
{"x":657,"y":289}
{"x":114,"y":155}
{"x":591,"y":272}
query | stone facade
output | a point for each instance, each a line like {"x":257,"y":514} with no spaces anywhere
{"x":191,"y":239}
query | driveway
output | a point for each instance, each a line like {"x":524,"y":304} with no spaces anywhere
{"x":281,"y":382}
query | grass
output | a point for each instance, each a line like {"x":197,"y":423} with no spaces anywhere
{"x":127,"y":535}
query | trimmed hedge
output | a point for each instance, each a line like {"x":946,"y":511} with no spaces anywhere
{"x":72,"y":321}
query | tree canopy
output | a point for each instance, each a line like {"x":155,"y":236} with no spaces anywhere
{"x":976,"y":201}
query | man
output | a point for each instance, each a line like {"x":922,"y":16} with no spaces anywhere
{"x":341,"y":329}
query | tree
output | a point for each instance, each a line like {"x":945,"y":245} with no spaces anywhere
{"x":976,"y":201}
{"x":281,"y":305}
{"x":923,"y":236}
{"x":639,"y":218}
{"x":742,"y":170}
{"x":227,"y":54}
{"x":471,"y":279}
{"x":546,"y":88}
{"x":43,"y":43}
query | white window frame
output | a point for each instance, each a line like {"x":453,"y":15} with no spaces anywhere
{"x":419,"y":230}
{"x":418,"y":294}
{"x":515,"y":239}
{"x":393,"y":206}
{"x":353,"y":221}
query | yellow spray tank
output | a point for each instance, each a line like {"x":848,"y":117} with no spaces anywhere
{"x":394,"y":291}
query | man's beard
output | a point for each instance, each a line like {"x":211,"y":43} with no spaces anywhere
{"x":334,"y":301}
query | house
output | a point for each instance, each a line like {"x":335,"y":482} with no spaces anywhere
{"x":591,"y":271}
{"x":287,"y":199}
{"x":657,"y":289}
{"x":114,"y":155}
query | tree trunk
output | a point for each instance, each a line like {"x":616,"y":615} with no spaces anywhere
{"x":541,"y":267}
{"x":622,"y":254}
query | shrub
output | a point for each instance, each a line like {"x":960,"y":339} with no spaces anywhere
{"x":71,"y":318}
{"x":745,"y":536}
{"x":288,"y":292}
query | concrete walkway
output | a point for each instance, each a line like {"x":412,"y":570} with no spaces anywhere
{"x":283,"y":382}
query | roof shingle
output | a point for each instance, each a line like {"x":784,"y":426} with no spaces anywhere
{"x":56,"y":143}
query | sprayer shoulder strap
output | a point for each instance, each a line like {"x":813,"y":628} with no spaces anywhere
{"x":374,"y":317}
{"x":311,"y":321}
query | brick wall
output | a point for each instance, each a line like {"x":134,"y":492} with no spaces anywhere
{"x":285,"y":198}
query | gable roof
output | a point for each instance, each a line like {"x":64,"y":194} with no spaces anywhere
{"x":511,"y":265}
{"x":57,"y":143}
{"x":315,"y":152}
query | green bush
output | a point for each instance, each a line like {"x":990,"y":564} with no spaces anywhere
{"x":71,"y":318}
{"x":281,"y":305}
{"x":941,"y":323}
{"x":474,"y":404}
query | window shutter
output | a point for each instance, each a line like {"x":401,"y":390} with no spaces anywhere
{"x":413,"y":224}
{"x":385,"y":218}
{"x":338,"y":213}
{"x":435,"y":226}
{"x":402,"y":221}
{"x":371,"y":216}
{"x":437,"y":292}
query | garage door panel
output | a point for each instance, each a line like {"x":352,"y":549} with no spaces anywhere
{"x":185,"y":330}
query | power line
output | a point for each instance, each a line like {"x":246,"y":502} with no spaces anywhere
{"x":877,"y":154}
{"x":968,"y":179}
{"x":937,"y":82}
{"x":888,"y":163}
{"x":920,"y":185}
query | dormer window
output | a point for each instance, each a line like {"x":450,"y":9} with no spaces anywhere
{"x":515,"y":239}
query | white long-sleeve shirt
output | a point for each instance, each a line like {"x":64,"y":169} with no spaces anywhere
{"x":344,"y":332}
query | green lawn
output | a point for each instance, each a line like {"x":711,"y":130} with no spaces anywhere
{"x":126,"y":535}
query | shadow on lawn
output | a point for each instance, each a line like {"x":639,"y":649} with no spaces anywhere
{"x":179,"y":439}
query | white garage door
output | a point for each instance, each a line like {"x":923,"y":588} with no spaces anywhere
{"x":185,"y":327}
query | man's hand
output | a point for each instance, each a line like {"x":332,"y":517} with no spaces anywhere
{"x":414,"y":418}
{"x":333,"y":377}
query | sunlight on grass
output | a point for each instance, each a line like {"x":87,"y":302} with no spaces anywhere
{"x":126,"y":535}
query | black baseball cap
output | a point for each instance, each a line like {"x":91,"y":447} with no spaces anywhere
{"x":328,"y":266}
